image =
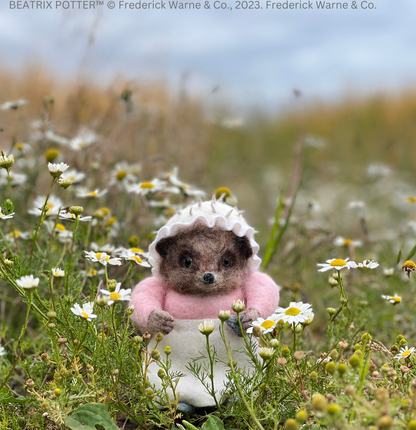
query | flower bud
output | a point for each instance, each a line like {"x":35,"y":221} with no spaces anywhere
{"x":298,"y":355}
{"x":342,"y":369}
{"x":314,"y":376}
{"x":331,"y":311}
{"x":159,"y":337}
{"x":266,"y":353}
{"x":354,"y":361}
{"x":238,"y":306}
{"x":168,"y":350}
{"x":224,"y":315}
{"x":64,"y":183}
{"x":319,"y":402}
{"x":155,"y":354}
{"x":161,"y":373}
{"x":51,"y":314}
{"x":44,"y":357}
{"x":385,"y":422}
{"x":274,"y":343}
{"x":333,"y":409}
{"x":411,"y":425}
{"x":257,"y":331}
{"x":343,"y":301}
{"x":282,"y":361}
{"x":62,"y":340}
{"x":286,"y":352}
{"x":89,"y":369}
{"x":330,"y":368}
{"x":301,"y":416}
{"x":334,"y":354}
{"x":7,"y":207}
{"x":350,"y":390}
{"x":291,"y":424}
{"x":111,"y":285}
{"x":381,"y":394}
{"x":30,"y":383}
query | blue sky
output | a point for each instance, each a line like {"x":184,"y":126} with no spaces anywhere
{"x":255,"y":56}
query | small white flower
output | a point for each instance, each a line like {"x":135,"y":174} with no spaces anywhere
{"x":17,"y":234}
{"x":266,"y":353}
{"x":325,"y":359}
{"x":68,"y":216}
{"x":85,"y":311}
{"x":2,"y":351}
{"x":118,"y":294}
{"x":6,"y":161}
{"x":83,"y":141}
{"x":58,"y":272}
{"x":84,"y":193}
{"x":54,"y":204}
{"x":56,"y":169}
{"x":297,"y":312}
{"x":172,"y":177}
{"x":91,"y":273}
{"x":394,"y":300}
{"x":404,"y":353}
{"x":368,"y":264}
{"x":338,"y":264}
{"x":73,"y":175}
{"x":14,"y":178}
{"x":13,"y":105}
{"x":102,"y":258}
{"x":207,"y":327}
{"x":2,"y":216}
{"x":266,"y":325}
{"x":388,"y":272}
{"x":28,"y":282}
{"x":144,"y":188}
{"x":342,"y":241}
{"x":358,"y":207}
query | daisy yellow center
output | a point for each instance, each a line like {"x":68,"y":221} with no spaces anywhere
{"x":136,"y":250}
{"x":397,"y":299}
{"x":338,"y":262}
{"x":84,"y":314}
{"x":1,"y":214}
{"x":92,"y":272}
{"x":347,"y":242}
{"x":19,"y":146}
{"x":105,"y":211}
{"x":15,"y":233}
{"x":185,"y":186}
{"x":406,"y":353}
{"x":114,"y":296}
{"x":92,"y":193}
{"x":50,"y":205}
{"x":111,"y":220}
{"x":99,"y":255}
{"x":171,"y":211}
{"x":409,"y":265}
{"x":139,"y":260}
{"x":267,"y":324}
{"x":121,"y":175}
{"x":60,"y":227}
{"x":82,"y":143}
{"x":292,"y":311}
{"x":147,"y":185}
{"x":411,"y":200}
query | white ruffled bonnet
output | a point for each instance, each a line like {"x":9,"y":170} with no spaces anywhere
{"x":212,"y":213}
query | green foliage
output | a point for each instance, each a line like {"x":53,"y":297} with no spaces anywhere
{"x":87,"y":417}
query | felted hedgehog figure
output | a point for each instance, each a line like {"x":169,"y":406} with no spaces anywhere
{"x":203,"y":259}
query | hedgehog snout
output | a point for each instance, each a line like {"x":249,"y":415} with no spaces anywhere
{"x":208,"y":278}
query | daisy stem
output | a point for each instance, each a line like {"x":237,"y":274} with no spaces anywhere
{"x":211,"y":374}
{"x":294,"y":337}
{"x":249,"y":349}
{"x":41,"y":219}
{"x":6,"y":242}
{"x":71,"y":252}
{"x":230,"y":361}
{"x":113,"y":321}
{"x":51,"y":288}
{"x":15,"y":241}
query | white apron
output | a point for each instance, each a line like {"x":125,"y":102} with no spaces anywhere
{"x":187,"y":342}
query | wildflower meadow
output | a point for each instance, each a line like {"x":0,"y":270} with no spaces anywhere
{"x":88,"y":176}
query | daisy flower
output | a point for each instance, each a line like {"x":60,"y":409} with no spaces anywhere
{"x":2,"y":351}
{"x":102,"y":258}
{"x":73,"y":175}
{"x":408,"y":267}
{"x":83,"y":141}
{"x":266,"y":325}
{"x":107,"y":247}
{"x":144,"y":188}
{"x":72,"y":217}
{"x":207,"y":327}
{"x":84,"y":193}
{"x":54,"y":204}
{"x":404,"y":353}
{"x":55,"y":138}
{"x":297,"y":312}
{"x":91,"y":273}
{"x":13,"y":177}
{"x":28,"y":282}
{"x":13,"y":105}
{"x":17,"y":234}
{"x":394,"y":300}
{"x":342,"y":241}
{"x":85,"y":311}
{"x":57,"y":272}
{"x":118,"y":294}
{"x":368,"y":264}
{"x":6,"y":161}
{"x":122,"y":174}
{"x":56,"y":169}
{"x":172,"y":177}
{"x":3,"y":216}
{"x":388,"y":272}
{"x":338,"y":264}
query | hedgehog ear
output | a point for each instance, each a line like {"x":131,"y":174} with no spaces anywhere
{"x":162,"y":247}
{"x":243,"y":247}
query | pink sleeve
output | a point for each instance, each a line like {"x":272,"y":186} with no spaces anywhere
{"x":148,"y":294}
{"x":261,"y":293}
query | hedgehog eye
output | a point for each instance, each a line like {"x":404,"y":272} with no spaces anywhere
{"x":187,"y":261}
{"x":226,"y":261}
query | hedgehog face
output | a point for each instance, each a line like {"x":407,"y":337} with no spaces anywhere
{"x":204,"y":261}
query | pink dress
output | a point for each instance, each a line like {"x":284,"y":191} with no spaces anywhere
{"x":258,"y":291}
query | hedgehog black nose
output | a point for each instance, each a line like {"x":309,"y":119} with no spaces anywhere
{"x":209,"y":278}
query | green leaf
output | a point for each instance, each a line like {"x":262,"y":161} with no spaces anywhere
{"x":189,"y":426}
{"x":7,"y":397}
{"x":87,"y":417}
{"x":213,"y":423}
{"x":411,"y":253}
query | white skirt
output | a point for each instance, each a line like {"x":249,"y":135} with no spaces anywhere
{"x":187,"y":343}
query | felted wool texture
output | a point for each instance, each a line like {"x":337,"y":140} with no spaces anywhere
{"x":206,"y":248}
{"x":258,"y":291}
{"x":188,"y":343}
{"x":210,"y":213}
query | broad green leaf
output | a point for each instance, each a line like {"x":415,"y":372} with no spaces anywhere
{"x":87,"y":417}
{"x":398,"y":257}
{"x":411,"y":253}
{"x":188,"y":426}
{"x":7,"y":397}
{"x":213,"y":423}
